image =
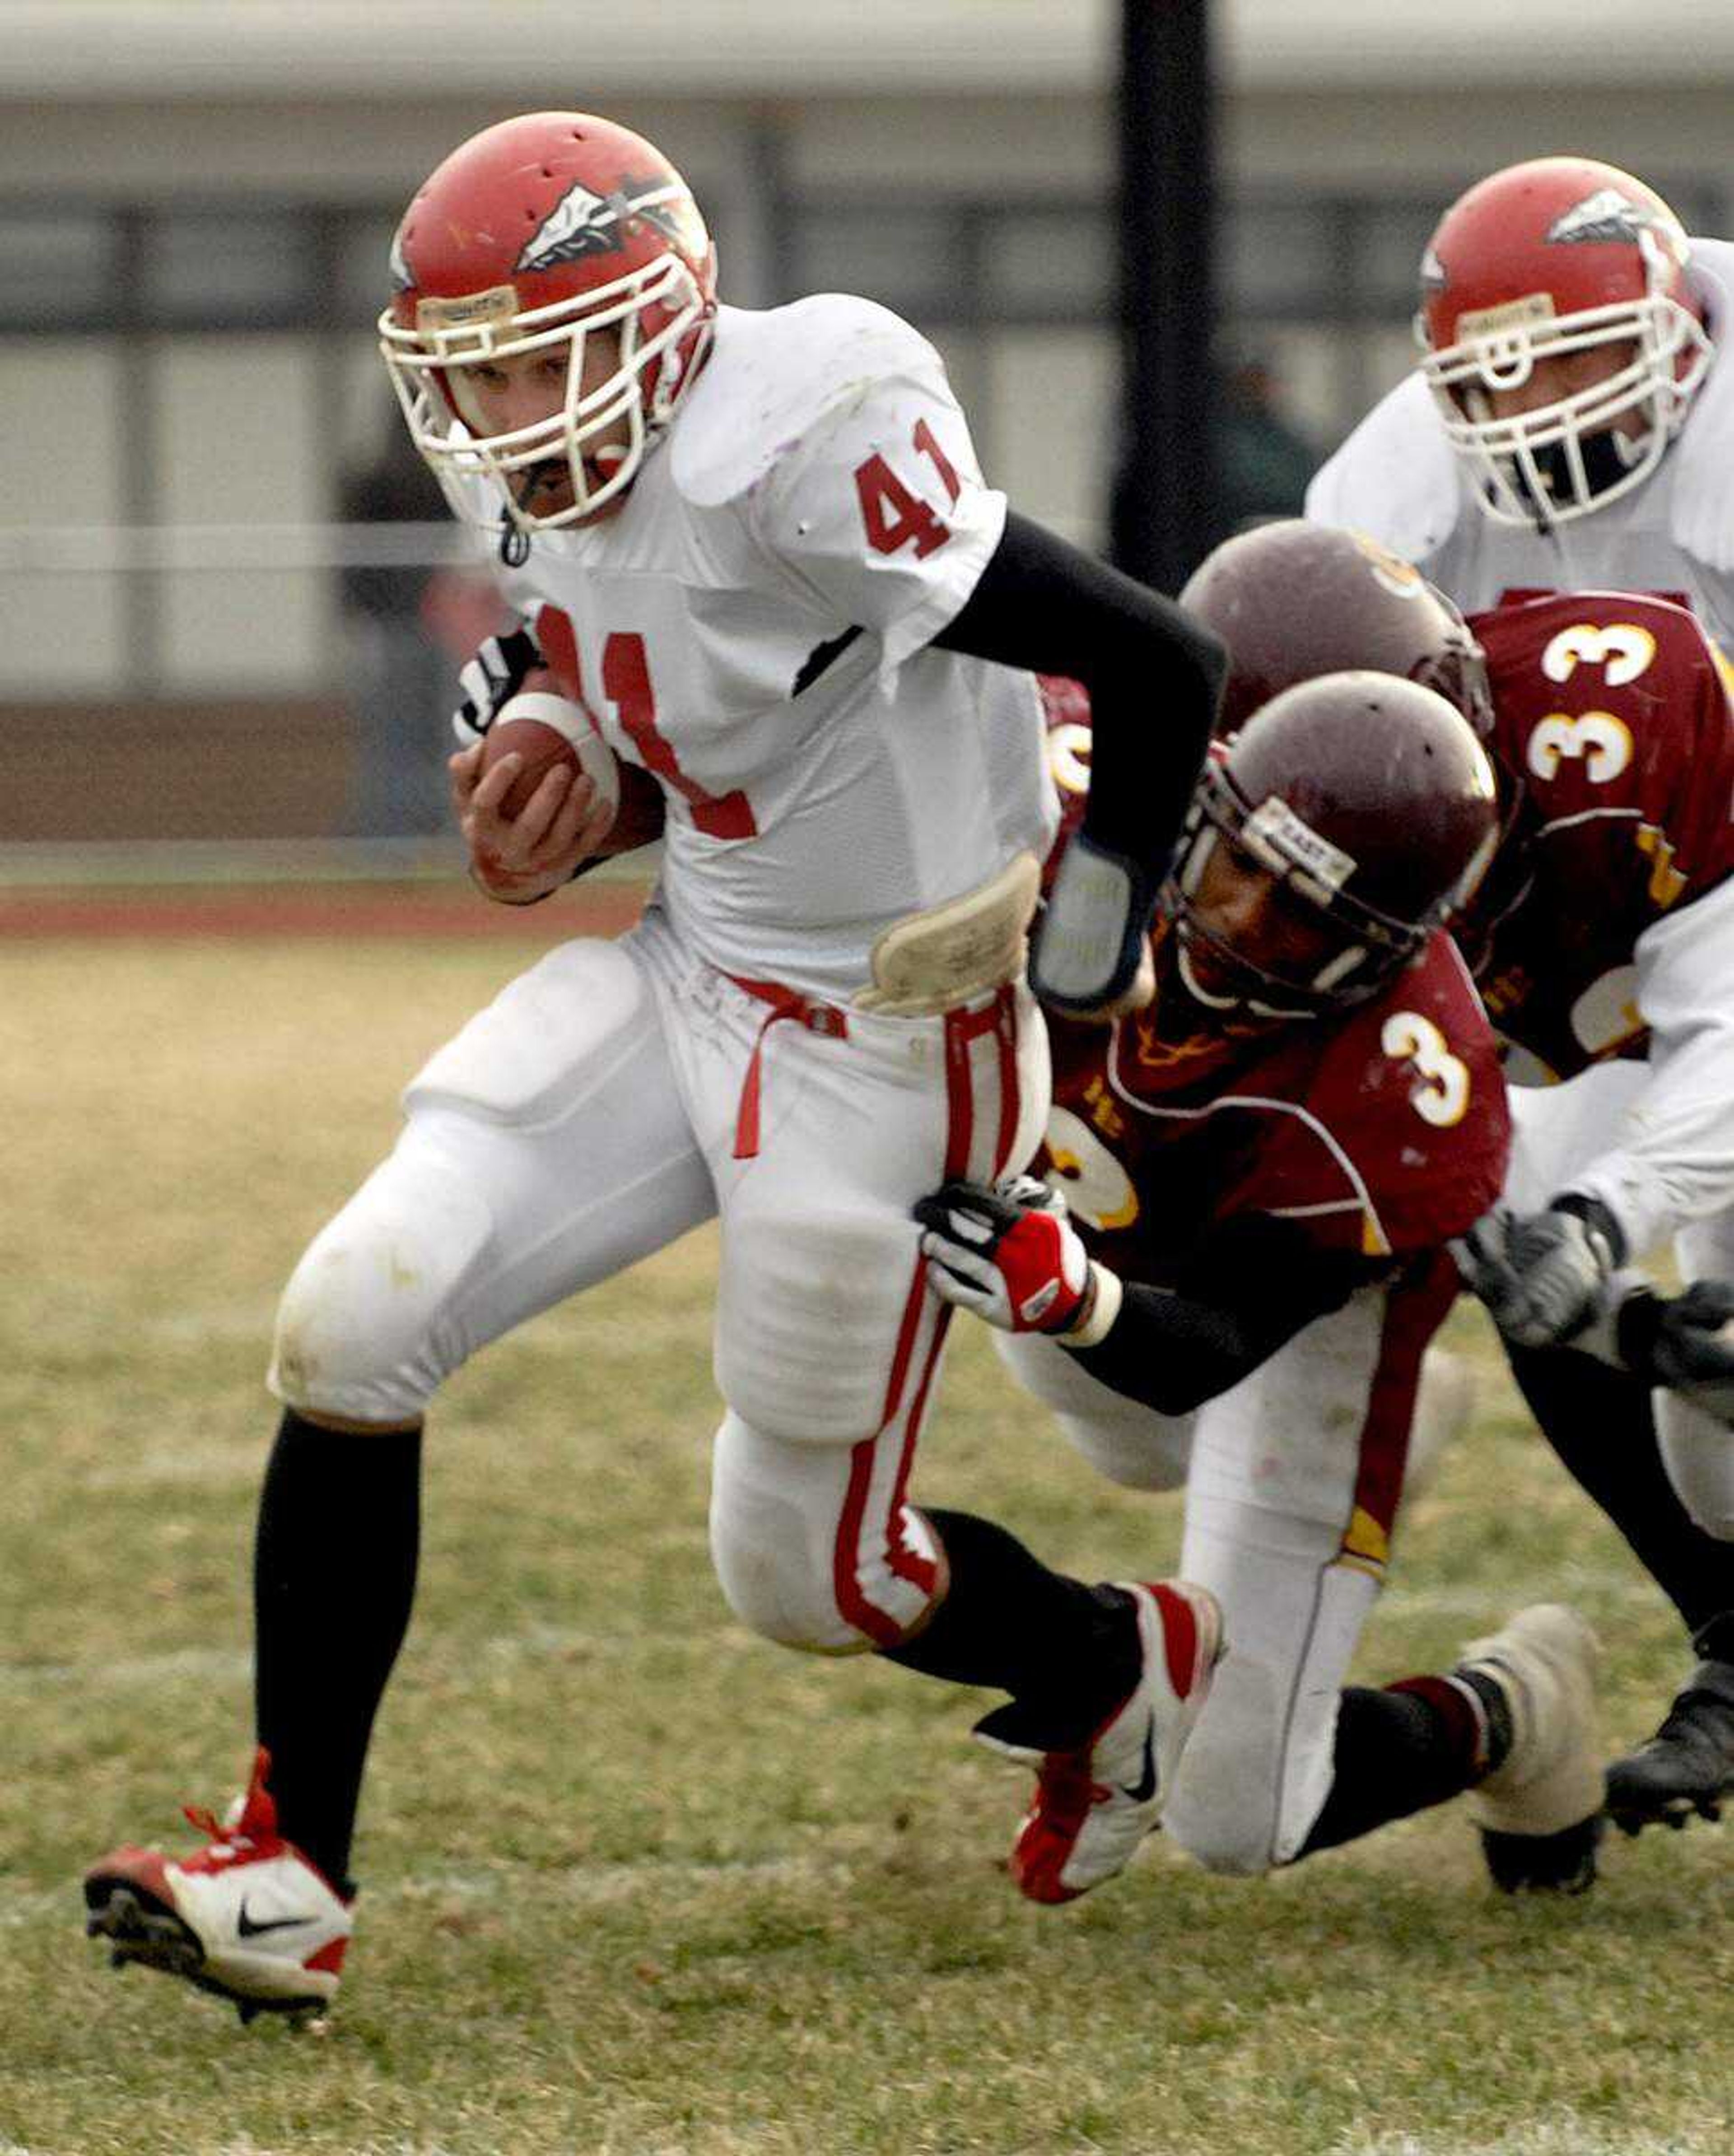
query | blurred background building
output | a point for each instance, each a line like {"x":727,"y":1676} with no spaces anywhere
{"x":197,"y":199}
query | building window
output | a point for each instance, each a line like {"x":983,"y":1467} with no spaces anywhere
{"x":57,"y":269}
{"x":230,"y":269}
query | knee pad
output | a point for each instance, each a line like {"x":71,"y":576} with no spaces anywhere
{"x":1258,"y":1768}
{"x":1697,"y":1450}
{"x":1124,"y":1440}
{"x":779,"y":1514}
{"x":1230,"y":1845}
{"x":1242,"y":1806}
{"x":1224,"y":1811}
{"x":1150,"y":1453}
{"x":362,"y":1329}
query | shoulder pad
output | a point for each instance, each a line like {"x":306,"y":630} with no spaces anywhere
{"x":772,"y":375}
{"x":1514,"y":634}
{"x":1394,"y":478}
{"x":1703,"y":500}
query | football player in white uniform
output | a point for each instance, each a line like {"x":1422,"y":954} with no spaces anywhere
{"x":1571,"y":428}
{"x":755,"y":554}
{"x":1570,"y":424}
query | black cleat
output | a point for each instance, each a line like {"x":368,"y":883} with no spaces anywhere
{"x":141,"y":1928}
{"x":1563,"y":1863}
{"x":1687,"y":1767}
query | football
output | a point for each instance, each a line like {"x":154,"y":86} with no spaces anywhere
{"x":546,"y":730}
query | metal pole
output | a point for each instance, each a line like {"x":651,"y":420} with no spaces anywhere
{"x":1164,"y":516}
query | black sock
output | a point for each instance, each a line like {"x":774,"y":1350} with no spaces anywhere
{"x":1067,"y":1653}
{"x":1403,"y":1749}
{"x":333,"y":1580}
{"x":1602,"y":1424}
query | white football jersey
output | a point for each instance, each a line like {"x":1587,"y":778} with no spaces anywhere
{"x":754,"y":628}
{"x":1397,"y":478}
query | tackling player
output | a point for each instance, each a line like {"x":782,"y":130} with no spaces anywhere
{"x":756,"y":554}
{"x":1265,"y":1167}
{"x":1571,"y":426}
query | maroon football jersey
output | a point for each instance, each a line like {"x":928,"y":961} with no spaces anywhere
{"x":1612,"y":712}
{"x":1382,"y":1131}
{"x":1065,"y":713}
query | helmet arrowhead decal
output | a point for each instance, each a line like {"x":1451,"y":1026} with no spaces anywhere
{"x":1607,"y":214}
{"x":585,"y":223}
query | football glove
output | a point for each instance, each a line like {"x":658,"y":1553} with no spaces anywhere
{"x":1542,"y":1276}
{"x":490,"y":679}
{"x":1089,"y":954}
{"x":1009,"y":1254}
{"x":1683,"y":1342}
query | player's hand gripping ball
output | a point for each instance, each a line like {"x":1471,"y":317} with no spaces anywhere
{"x":547,"y":731}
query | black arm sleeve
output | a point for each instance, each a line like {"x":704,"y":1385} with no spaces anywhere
{"x":1154,"y":676}
{"x":1247,"y":1289}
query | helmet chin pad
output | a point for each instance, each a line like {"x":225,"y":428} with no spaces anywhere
{"x":1603,"y":462}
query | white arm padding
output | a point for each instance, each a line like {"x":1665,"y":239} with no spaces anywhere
{"x":1673,"y":1157}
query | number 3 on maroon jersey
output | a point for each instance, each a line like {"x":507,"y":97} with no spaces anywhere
{"x":894,"y":516}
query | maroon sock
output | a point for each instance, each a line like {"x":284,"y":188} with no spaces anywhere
{"x":1401,"y":1751}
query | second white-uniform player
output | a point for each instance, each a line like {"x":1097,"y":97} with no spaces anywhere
{"x":1571,"y":428}
{"x":1570,"y":424}
{"x":756,"y":552}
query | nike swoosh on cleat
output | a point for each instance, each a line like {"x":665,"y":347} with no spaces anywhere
{"x":249,"y":1928}
{"x":1144,"y":1788}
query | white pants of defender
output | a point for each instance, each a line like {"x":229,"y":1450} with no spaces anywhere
{"x":1556,"y":1129}
{"x":587,"y":1117}
{"x":1274,"y":1474}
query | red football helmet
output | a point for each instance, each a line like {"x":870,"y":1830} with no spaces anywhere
{"x":1559,"y":256}
{"x":531,"y":235}
{"x":1372,"y":804}
{"x":1293,"y":600}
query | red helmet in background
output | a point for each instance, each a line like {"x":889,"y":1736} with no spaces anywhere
{"x":1557,"y":256}
{"x":1292,"y":600}
{"x":1371,"y":804}
{"x":530,"y":236}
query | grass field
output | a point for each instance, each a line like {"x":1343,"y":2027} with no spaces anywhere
{"x":635,"y":1884}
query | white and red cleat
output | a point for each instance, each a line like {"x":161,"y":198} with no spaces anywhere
{"x":247,"y":1917}
{"x":1093,"y":1806}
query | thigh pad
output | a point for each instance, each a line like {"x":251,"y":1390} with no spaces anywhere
{"x":540,"y":1050}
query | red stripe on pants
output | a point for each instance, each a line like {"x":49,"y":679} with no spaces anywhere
{"x":961,"y":1029}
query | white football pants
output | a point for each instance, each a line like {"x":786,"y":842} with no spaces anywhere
{"x":1292,"y":1481}
{"x":614,"y":1096}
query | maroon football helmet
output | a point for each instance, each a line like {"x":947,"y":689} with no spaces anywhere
{"x":1293,"y":600}
{"x":1371,"y":804}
